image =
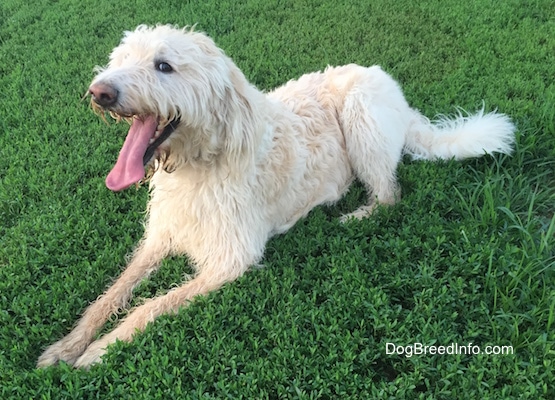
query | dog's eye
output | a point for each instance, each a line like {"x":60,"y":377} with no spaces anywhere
{"x":163,"y":66}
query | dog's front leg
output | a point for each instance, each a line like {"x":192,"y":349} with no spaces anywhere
{"x":169,"y":303}
{"x":144,"y":261}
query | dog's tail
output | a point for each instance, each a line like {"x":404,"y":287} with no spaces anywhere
{"x":461,"y":136}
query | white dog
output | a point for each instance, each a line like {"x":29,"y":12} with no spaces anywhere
{"x":229,"y":166}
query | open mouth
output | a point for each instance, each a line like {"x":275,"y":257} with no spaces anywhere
{"x":159,"y":137}
{"x":145,"y":135}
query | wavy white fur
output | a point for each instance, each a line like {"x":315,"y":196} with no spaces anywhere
{"x":243,"y":165}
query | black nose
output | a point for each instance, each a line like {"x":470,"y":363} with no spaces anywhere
{"x":104,"y":95}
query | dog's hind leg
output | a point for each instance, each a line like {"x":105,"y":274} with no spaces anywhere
{"x":144,"y":261}
{"x":374,"y":152}
{"x":138,"y":318}
{"x":375,"y":130}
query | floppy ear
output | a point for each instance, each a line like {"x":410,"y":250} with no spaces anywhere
{"x":243,"y":118}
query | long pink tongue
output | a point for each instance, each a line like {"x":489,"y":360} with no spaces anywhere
{"x":129,"y":167}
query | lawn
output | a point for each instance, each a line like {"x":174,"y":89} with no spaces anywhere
{"x":466,"y":257}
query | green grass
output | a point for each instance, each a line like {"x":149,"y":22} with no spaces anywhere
{"x":468,"y":255}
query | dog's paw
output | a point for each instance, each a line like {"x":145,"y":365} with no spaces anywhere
{"x":346,"y":218}
{"x":93,"y":354}
{"x":360,"y":213}
{"x":63,"y":350}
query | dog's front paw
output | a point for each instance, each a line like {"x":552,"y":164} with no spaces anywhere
{"x":66,"y":350}
{"x":93,"y":354}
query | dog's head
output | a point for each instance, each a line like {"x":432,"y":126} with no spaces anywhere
{"x":185,"y":100}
